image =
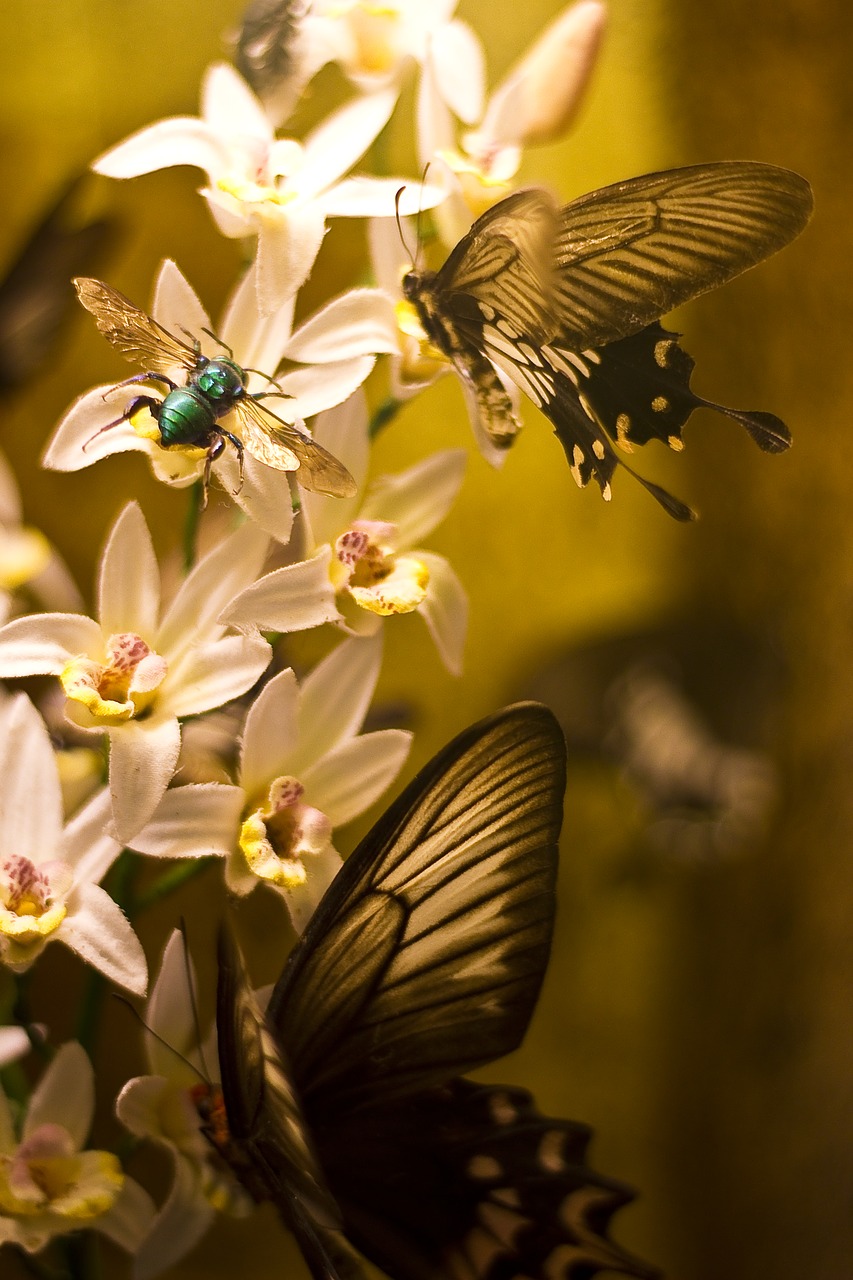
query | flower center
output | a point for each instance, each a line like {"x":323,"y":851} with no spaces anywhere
{"x":375,"y":30}
{"x":421,"y":359}
{"x":376,"y":576}
{"x":275,"y":838}
{"x":32,"y":902}
{"x":121,"y":687}
{"x":47,"y":1174}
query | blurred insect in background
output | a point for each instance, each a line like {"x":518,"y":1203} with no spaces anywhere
{"x":565,"y":304}
{"x":190,"y":415}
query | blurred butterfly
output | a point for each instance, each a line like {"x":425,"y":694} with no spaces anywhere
{"x":565,"y":303}
{"x":189,"y":416}
{"x":424,"y":959}
{"x":264,"y":51}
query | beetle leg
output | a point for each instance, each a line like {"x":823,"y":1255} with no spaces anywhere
{"x":143,"y":377}
{"x":214,"y":450}
{"x":238,"y":446}
{"x":137,"y":403}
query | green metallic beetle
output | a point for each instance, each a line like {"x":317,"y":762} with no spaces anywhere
{"x":189,"y":416}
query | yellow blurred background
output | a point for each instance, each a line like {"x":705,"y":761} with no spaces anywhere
{"x":697,"y":1011}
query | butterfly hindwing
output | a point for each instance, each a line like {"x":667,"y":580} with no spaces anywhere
{"x":493,"y":1189}
{"x":453,"y":890}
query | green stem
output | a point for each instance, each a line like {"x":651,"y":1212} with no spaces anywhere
{"x":191,"y":524}
{"x":170,"y":881}
{"x":386,"y":412}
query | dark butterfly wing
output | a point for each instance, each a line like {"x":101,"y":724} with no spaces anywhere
{"x":629,"y":253}
{"x":470,"y":1182}
{"x":267,"y":1145}
{"x":427,"y":953}
{"x":131,"y":330}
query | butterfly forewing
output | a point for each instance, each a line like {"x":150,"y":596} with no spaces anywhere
{"x":629,"y":253}
{"x":134,"y":333}
{"x":455,"y":889}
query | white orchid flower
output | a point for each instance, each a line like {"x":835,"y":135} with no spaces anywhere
{"x":257,"y":343}
{"x":162,"y":1107}
{"x":134,"y":674}
{"x":364,"y":555}
{"x":50,"y":873}
{"x":277,"y":189}
{"x":376,"y":44}
{"x":534,"y":104}
{"x":49,"y":1184}
{"x":304,"y":771}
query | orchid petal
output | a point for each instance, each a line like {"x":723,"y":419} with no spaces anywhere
{"x":445,"y":610}
{"x":85,"y":842}
{"x":290,"y":599}
{"x":197,"y":821}
{"x":215,"y":580}
{"x":343,"y":431}
{"x":264,"y":495}
{"x":342,"y":139}
{"x":171,"y":1016}
{"x":287,"y":248}
{"x":418,"y":499}
{"x":377,"y":198}
{"x":215,"y":673}
{"x":129,"y":579}
{"x":178,"y":140}
{"x":128,"y":1221}
{"x":31,"y":801}
{"x":459,"y":63}
{"x":42,"y":643}
{"x":229,"y":107}
{"x":270,"y":735}
{"x":357,"y":323}
{"x":181,"y":1222}
{"x":100,"y":933}
{"x":79,"y":439}
{"x":321,"y":387}
{"x":143,"y":757}
{"x":176,"y":304}
{"x":65,"y":1095}
{"x":302,"y":902}
{"x":356,"y":773}
{"x":260,"y":340}
{"x":334,"y":699}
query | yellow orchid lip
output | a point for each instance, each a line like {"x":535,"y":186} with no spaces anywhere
{"x":259,"y":193}
{"x":28,"y":924}
{"x":24,"y":554}
{"x":122,"y":687}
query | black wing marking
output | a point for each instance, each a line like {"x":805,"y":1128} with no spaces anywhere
{"x":427,"y":953}
{"x":285,"y":447}
{"x":505,"y":265}
{"x":492,"y":1189}
{"x":131,"y":330}
{"x":629,"y":253}
{"x":268,"y":1145}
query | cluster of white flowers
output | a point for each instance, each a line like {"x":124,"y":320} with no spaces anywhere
{"x":292,"y":559}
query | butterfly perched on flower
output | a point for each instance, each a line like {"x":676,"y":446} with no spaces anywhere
{"x":565,"y":304}
{"x":424,"y":959}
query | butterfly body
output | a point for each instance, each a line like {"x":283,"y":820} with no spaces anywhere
{"x":568,"y":307}
{"x":424,"y":959}
{"x":190,"y":415}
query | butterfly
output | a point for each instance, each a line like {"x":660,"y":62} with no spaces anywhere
{"x":566,"y":302}
{"x":345,"y":1104}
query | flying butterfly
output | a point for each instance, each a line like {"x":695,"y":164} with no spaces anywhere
{"x":566,"y":302}
{"x":424,"y":959}
{"x":190,"y":415}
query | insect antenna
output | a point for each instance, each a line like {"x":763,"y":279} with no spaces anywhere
{"x":224,"y":345}
{"x":400,"y":227}
{"x":202,"y":1074}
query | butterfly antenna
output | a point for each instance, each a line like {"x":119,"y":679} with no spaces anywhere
{"x":205,"y":1079}
{"x":400,"y":225}
{"x":421,"y":206}
{"x":182,"y":925}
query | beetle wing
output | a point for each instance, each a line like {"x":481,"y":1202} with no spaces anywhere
{"x":132,"y":331}
{"x":286,"y":447}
